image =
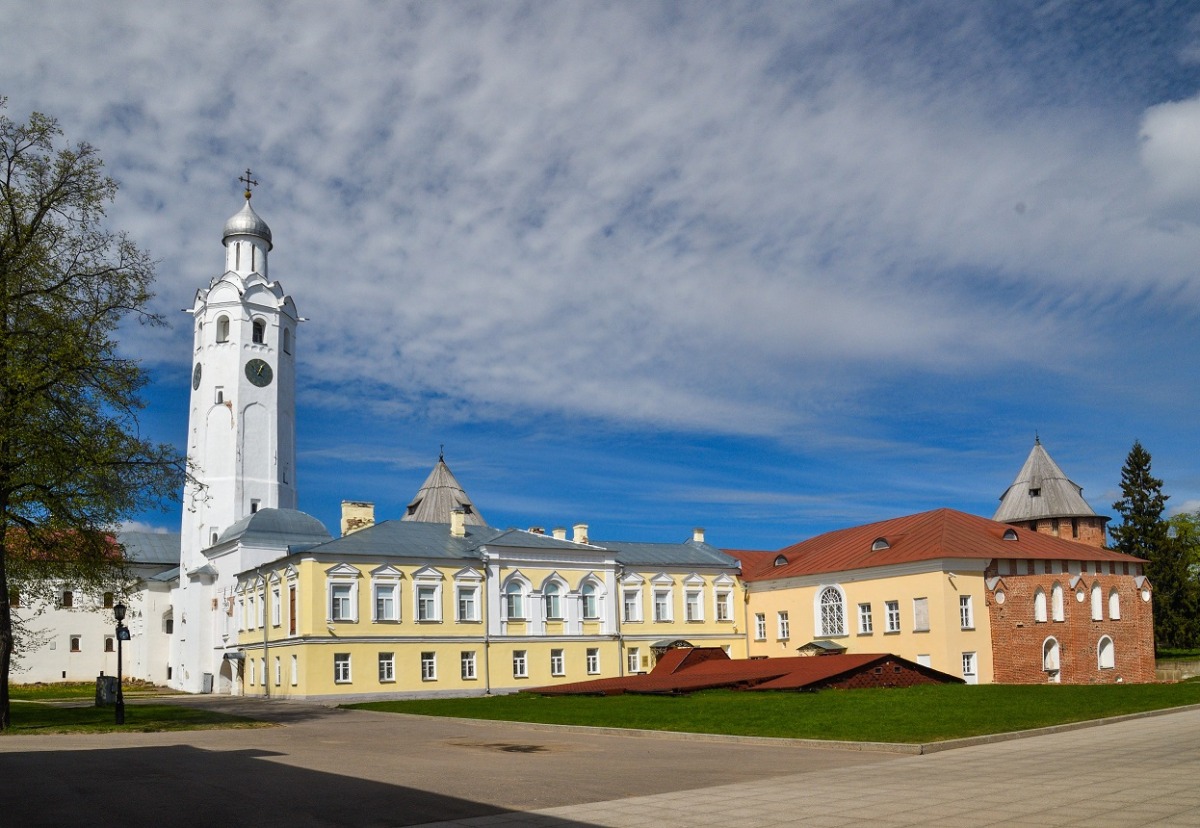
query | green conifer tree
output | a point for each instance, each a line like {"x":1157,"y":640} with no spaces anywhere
{"x":1145,"y":533}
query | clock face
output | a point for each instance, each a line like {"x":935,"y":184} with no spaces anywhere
{"x":259,"y":373}
{"x":196,"y":377}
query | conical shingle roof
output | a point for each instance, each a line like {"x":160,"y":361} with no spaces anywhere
{"x":1041,"y":490}
{"x":438,"y":496}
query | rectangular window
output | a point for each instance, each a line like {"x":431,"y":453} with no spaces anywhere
{"x":385,"y":603}
{"x":428,"y":666}
{"x":387,"y":667}
{"x":662,"y":605}
{"x":295,"y":671}
{"x":966,"y":614}
{"x":514,"y":602}
{"x":68,"y":599}
{"x":291,"y":609}
{"x":591,"y":603}
{"x":866,"y":623}
{"x":557,"y":665}
{"x":593,"y":661}
{"x":276,"y":607}
{"x":108,"y":600}
{"x":968,"y":665}
{"x":783,"y":625}
{"x":467,"y":663}
{"x":760,"y":626}
{"x":553,"y":602}
{"x":341,"y":668}
{"x":633,"y":658}
{"x":251,"y":606}
{"x":75,"y":643}
{"x":468,"y":603}
{"x":262,"y":618}
{"x":109,"y":646}
{"x":250,"y":661}
{"x":278,"y":671}
{"x":339,"y":602}
{"x":724,"y":606}
{"x":633,"y":605}
{"x":920,"y":615}
{"x":427,"y":603}
{"x":693,"y":607}
{"x":520,"y":664}
{"x":893,"y":616}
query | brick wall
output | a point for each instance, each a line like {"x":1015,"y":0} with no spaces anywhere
{"x":1085,"y":530}
{"x":1017,"y":639}
{"x":890,"y":674}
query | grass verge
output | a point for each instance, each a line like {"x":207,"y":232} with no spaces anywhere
{"x":66,"y":690}
{"x":911,"y":715}
{"x":30,"y":718}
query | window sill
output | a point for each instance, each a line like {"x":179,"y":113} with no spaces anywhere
{"x":891,"y":632}
{"x":866,"y":634}
{"x":466,"y":620}
{"x":387,"y":681}
{"x":924,"y":631}
{"x":429,"y":620}
{"x":967,"y":629}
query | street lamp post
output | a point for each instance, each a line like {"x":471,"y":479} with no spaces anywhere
{"x":122,"y":636}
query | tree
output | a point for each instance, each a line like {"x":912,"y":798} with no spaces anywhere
{"x":1143,"y":532}
{"x":72,"y":463}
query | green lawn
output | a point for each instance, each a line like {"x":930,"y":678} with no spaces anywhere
{"x":32,"y":713}
{"x":913,"y":715}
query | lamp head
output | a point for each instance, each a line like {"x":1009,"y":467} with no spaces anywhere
{"x":119,"y":612}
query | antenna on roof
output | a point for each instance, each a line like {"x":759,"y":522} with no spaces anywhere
{"x":441,"y":452}
{"x":1037,"y":441}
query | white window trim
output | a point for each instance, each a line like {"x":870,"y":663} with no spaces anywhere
{"x":464,"y":658}
{"x":558,"y":662}
{"x":966,"y":612}
{"x":346,"y":660}
{"x":389,"y":578}
{"x":866,"y":618}
{"x":891,"y":624}
{"x":818,"y":615}
{"x":432,"y":662}
{"x":636,"y":591}
{"x":592,"y":662}
{"x":427,"y":577}
{"x":723,"y":604}
{"x":783,"y":625}
{"x":391,"y":662}
{"x":342,"y":574}
{"x":598,"y":595}
{"x":760,"y":626}
{"x":560,"y":590}
{"x":520,"y":662}
{"x":523,"y":590}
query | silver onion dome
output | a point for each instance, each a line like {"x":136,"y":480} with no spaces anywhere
{"x":247,"y":223}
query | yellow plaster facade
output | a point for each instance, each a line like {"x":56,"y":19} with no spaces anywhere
{"x":933,"y":615}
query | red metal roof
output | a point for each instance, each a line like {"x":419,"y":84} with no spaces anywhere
{"x":941,"y":533}
{"x":687,"y":670}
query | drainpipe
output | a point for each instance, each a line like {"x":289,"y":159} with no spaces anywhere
{"x":745,"y":615}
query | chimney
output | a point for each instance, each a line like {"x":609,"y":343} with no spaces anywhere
{"x":357,"y":514}
{"x":580,"y":533}
{"x":698,"y":535}
{"x":458,"y":523}
{"x":560,"y":532}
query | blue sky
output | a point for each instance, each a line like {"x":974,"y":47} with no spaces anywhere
{"x":766,"y":268}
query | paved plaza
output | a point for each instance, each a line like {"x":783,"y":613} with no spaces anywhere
{"x":325,"y":766}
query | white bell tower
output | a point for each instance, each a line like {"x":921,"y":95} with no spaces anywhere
{"x":241,"y":446}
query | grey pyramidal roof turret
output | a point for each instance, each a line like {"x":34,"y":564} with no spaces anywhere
{"x":1041,"y":490}
{"x":439,"y":496}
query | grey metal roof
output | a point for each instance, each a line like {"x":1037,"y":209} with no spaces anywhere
{"x":439,"y":495}
{"x":166,"y":576}
{"x":523,"y":539}
{"x":689,"y":553}
{"x":1041,"y":490}
{"x":150,"y":547}
{"x":280,"y":527}
{"x":247,"y":223}
{"x":409,"y":539}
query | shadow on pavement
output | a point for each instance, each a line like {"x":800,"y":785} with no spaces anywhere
{"x":177,"y":785}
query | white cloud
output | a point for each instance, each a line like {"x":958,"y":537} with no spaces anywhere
{"x":709,"y":220}
{"x":1170,"y":148}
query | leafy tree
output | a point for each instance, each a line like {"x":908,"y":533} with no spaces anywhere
{"x":72,"y":464}
{"x":1144,"y":532}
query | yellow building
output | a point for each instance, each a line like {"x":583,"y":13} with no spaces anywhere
{"x":410,"y":606}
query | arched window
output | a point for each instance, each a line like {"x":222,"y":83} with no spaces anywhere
{"x":833,"y":613}
{"x":1039,"y":605}
{"x":1106,"y":657}
{"x":287,"y":340}
{"x":1097,"y":602}
{"x":1050,"y":657}
{"x":260,"y":332}
{"x":223,"y":329}
{"x":591,"y":604}
{"x":514,"y":601}
{"x":1056,"y":601}
{"x":552,"y":594}
{"x":1114,"y":605}
{"x":780,"y":560}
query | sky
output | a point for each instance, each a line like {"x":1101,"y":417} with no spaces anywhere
{"x":768,"y":268}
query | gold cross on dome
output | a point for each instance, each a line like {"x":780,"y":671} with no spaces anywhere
{"x":248,"y":181}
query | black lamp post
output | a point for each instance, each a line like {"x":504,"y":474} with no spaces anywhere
{"x":122,"y":635}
